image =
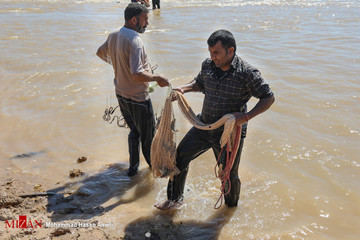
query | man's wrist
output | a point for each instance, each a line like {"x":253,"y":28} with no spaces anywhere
{"x":247,"y":117}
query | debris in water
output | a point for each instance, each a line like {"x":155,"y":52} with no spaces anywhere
{"x":60,"y":231}
{"x":75,"y":173}
{"x":81,"y":159}
{"x":38,"y":188}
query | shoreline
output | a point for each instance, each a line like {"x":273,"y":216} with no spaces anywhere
{"x":60,"y":214}
{"x":32,"y":208}
{"x":24,"y":194}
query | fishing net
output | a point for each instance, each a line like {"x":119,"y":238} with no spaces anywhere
{"x":163,"y":147}
{"x":227,"y":120}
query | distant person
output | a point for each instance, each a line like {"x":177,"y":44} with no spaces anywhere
{"x":228,"y":83}
{"x":144,"y":2}
{"x":125,"y":51}
{"x":156,"y":3}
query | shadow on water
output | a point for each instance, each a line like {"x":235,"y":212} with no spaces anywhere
{"x":92,"y":192}
{"x":29,"y":154}
{"x":160,"y":226}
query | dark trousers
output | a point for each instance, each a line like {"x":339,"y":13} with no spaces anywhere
{"x":139,"y":116}
{"x":156,"y":3}
{"x":195,"y":143}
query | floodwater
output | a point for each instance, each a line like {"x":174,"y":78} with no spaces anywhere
{"x":300,"y":164}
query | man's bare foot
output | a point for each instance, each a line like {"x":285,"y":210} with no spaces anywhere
{"x":168,"y":204}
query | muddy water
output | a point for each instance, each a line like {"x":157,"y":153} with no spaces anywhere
{"x":300,"y":165}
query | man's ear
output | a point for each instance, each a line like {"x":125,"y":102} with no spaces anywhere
{"x":231,"y":50}
{"x":134,"y":20}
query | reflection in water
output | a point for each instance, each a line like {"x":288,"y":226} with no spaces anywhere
{"x":93,"y":191}
{"x":160,"y":226}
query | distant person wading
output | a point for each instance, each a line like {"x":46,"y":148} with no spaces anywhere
{"x":144,"y":2}
{"x":156,"y":3}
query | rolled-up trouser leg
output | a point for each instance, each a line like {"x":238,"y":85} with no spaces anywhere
{"x":192,"y":145}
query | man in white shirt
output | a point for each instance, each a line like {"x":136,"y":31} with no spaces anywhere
{"x":125,"y":51}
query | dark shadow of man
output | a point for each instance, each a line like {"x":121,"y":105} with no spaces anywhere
{"x":160,"y":226}
{"x":93,"y":191}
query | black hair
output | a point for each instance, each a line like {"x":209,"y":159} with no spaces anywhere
{"x":134,"y":10}
{"x":227,"y":39}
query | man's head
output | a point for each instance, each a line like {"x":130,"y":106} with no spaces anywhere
{"x":136,"y":17}
{"x":222,"y":47}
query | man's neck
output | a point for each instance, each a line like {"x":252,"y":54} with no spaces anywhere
{"x":225,"y":68}
{"x":130,"y":26}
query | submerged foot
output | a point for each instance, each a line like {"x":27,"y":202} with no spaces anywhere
{"x":132,"y":171}
{"x":168,"y":204}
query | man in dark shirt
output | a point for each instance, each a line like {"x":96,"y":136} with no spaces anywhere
{"x":228,"y":83}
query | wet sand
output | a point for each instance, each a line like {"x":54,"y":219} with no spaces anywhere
{"x":67,"y":211}
{"x":26,"y":195}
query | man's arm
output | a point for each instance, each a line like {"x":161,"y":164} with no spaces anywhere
{"x":148,"y":77}
{"x":262,"y":105}
{"x":190,"y":87}
{"x":102,"y":53}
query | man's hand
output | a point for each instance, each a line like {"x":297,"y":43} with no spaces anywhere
{"x":146,"y":76}
{"x":190,"y":87}
{"x":161,"y":81}
{"x":178,"y":89}
{"x":241,"y":118}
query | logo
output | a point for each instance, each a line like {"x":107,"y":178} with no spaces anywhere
{"x":23,"y":223}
